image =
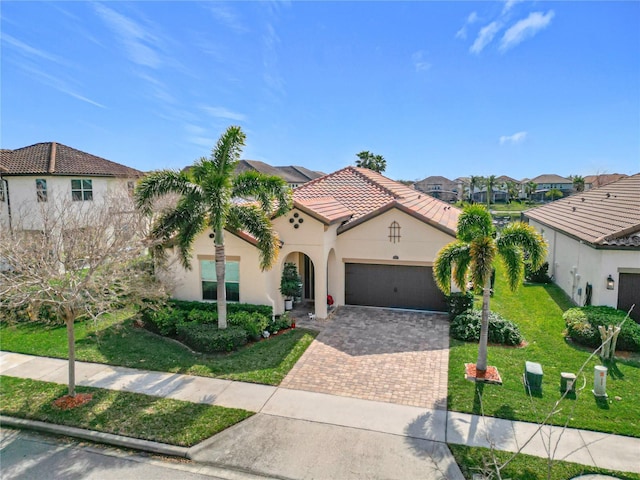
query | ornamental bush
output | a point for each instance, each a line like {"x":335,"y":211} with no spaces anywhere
{"x":466,"y":327}
{"x":207,"y":338}
{"x":459,"y":303}
{"x":252,"y":323}
{"x":583,"y":322}
{"x":537,"y":276}
{"x":165,"y":320}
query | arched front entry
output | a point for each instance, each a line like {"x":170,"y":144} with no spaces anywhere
{"x":306,"y":270}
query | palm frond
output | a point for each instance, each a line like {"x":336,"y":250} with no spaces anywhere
{"x":526,"y":238}
{"x":159,"y":183}
{"x":226,"y":153}
{"x":273,"y":193}
{"x":448,"y":258}
{"x":513,"y":262}
{"x":483,"y":253}
{"x":254,"y":220}
{"x":463,"y":260}
{"x":474,"y":222}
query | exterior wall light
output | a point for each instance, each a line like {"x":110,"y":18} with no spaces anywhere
{"x":610,"y":283}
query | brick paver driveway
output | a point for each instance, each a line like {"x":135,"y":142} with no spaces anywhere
{"x":378,"y":354}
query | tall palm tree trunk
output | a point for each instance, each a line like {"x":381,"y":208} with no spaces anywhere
{"x":220,"y":277}
{"x":481,"y":364}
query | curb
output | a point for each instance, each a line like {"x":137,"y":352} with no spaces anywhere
{"x":98,"y":437}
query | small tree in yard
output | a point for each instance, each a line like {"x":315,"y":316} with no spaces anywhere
{"x":474,"y":253}
{"x":554,"y":194}
{"x":369,"y":160}
{"x":83,"y":261}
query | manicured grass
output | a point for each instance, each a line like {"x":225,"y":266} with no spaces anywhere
{"x":117,"y":341}
{"x":537,"y":309}
{"x":130,"y":414}
{"x":525,"y":467}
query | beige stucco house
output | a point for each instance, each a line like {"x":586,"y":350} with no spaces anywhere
{"x":51,"y":174}
{"x":355,"y":235}
{"x":594,"y":244}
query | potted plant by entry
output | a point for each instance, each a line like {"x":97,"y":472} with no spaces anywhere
{"x":290,"y":284}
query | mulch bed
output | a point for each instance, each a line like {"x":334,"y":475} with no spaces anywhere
{"x":490,"y":375}
{"x":68,"y":402}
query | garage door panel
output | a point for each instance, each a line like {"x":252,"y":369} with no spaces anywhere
{"x":399,"y":286}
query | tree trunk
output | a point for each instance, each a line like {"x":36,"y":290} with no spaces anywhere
{"x":481,"y":364}
{"x":220,"y":279}
{"x":69,"y":318}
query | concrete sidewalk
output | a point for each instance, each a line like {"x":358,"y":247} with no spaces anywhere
{"x":308,"y":424}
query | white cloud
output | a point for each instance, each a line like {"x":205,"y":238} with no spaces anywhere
{"x":508,"y":5}
{"x":472,"y":18}
{"x":28,"y":50}
{"x":513,"y":139}
{"x":485,"y":36}
{"x":419,"y":62}
{"x":221,"y":112}
{"x":525,"y":28}
{"x":139,"y":42}
{"x":227,"y":17}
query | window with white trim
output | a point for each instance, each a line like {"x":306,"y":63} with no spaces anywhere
{"x":41,"y":189}
{"x":81,"y":190}
{"x":210,"y":284}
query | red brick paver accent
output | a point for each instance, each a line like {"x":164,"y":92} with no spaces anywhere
{"x":378,"y":354}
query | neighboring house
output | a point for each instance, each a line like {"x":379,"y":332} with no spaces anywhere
{"x":355,"y":235}
{"x":594,"y":244}
{"x":51,"y":172}
{"x":293,"y":175}
{"x":440,"y":187}
{"x":549,"y":182}
{"x":595,"y":181}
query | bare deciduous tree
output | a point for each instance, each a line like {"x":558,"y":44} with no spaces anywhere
{"x":79,"y":260}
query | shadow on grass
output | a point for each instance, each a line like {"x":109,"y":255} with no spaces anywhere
{"x":558,"y":296}
{"x":477,"y":399}
{"x":613,"y":369}
{"x":602,"y":402}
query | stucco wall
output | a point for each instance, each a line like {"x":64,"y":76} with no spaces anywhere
{"x":573,"y":264}
{"x":25,"y":208}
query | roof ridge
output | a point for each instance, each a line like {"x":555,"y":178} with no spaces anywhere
{"x":361,"y":171}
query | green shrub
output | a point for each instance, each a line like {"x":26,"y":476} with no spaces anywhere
{"x":165,"y":320}
{"x":459,"y":303}
{"x":280,"y":323}
{"x":265,"y":310}
{"x":537,"y":276}
{"x":466,"y":327}
{"x":207,"y":338}
{"x":26,"y":313}
{"x":202,"y":316}
{"x":583,"y":322}
{"x":252,"y":323}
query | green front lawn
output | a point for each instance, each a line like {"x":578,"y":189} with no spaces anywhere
{"x":118,"y":341}
{"x":537,"y":309}
{"x":525,"y":467}
{"x":130,"y":414}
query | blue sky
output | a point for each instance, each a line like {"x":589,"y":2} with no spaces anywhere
{"x":437,"y":88}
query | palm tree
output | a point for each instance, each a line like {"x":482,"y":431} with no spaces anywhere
{"x":530,"y":189}
{"x":490,"y":182}
{"x":512,"y":189}
{"x":474,"y":253}
{"x":208,"y":193}
{"x":474,"y":182}
{"x":369,"y":160}
{"x":578,"y":183}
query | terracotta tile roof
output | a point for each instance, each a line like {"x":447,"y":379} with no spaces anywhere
{"x":605,"y":216}
{"x":326,"y":209}
{"x":602,"y":180}
{"x":53,"y":158}
{"x":364,"y":193}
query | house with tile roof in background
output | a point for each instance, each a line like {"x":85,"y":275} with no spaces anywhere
{"x":354,"y":235}
{"x":293,"y":175}
{"x":602,"y":179}
{"x":594,"y":244}
{"x":547,"y":182}
{"x":40,"y":174}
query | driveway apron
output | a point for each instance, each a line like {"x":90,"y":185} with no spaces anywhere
{"x":386,"y":355}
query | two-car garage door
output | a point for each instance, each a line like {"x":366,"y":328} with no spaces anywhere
{"x":397,"y":286}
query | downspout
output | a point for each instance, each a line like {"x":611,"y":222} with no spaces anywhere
{"x":273,"y":308}
{"x":6,"y":189}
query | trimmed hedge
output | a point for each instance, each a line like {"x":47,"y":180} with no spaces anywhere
{"x":252,"y":323}
{"x":207,"y":338}
{"x":459,"y":303}
{"x":265,"y":310}
{"x":583,"y":322}
{"x":466,"y":327}
{"x":537,"y":276}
